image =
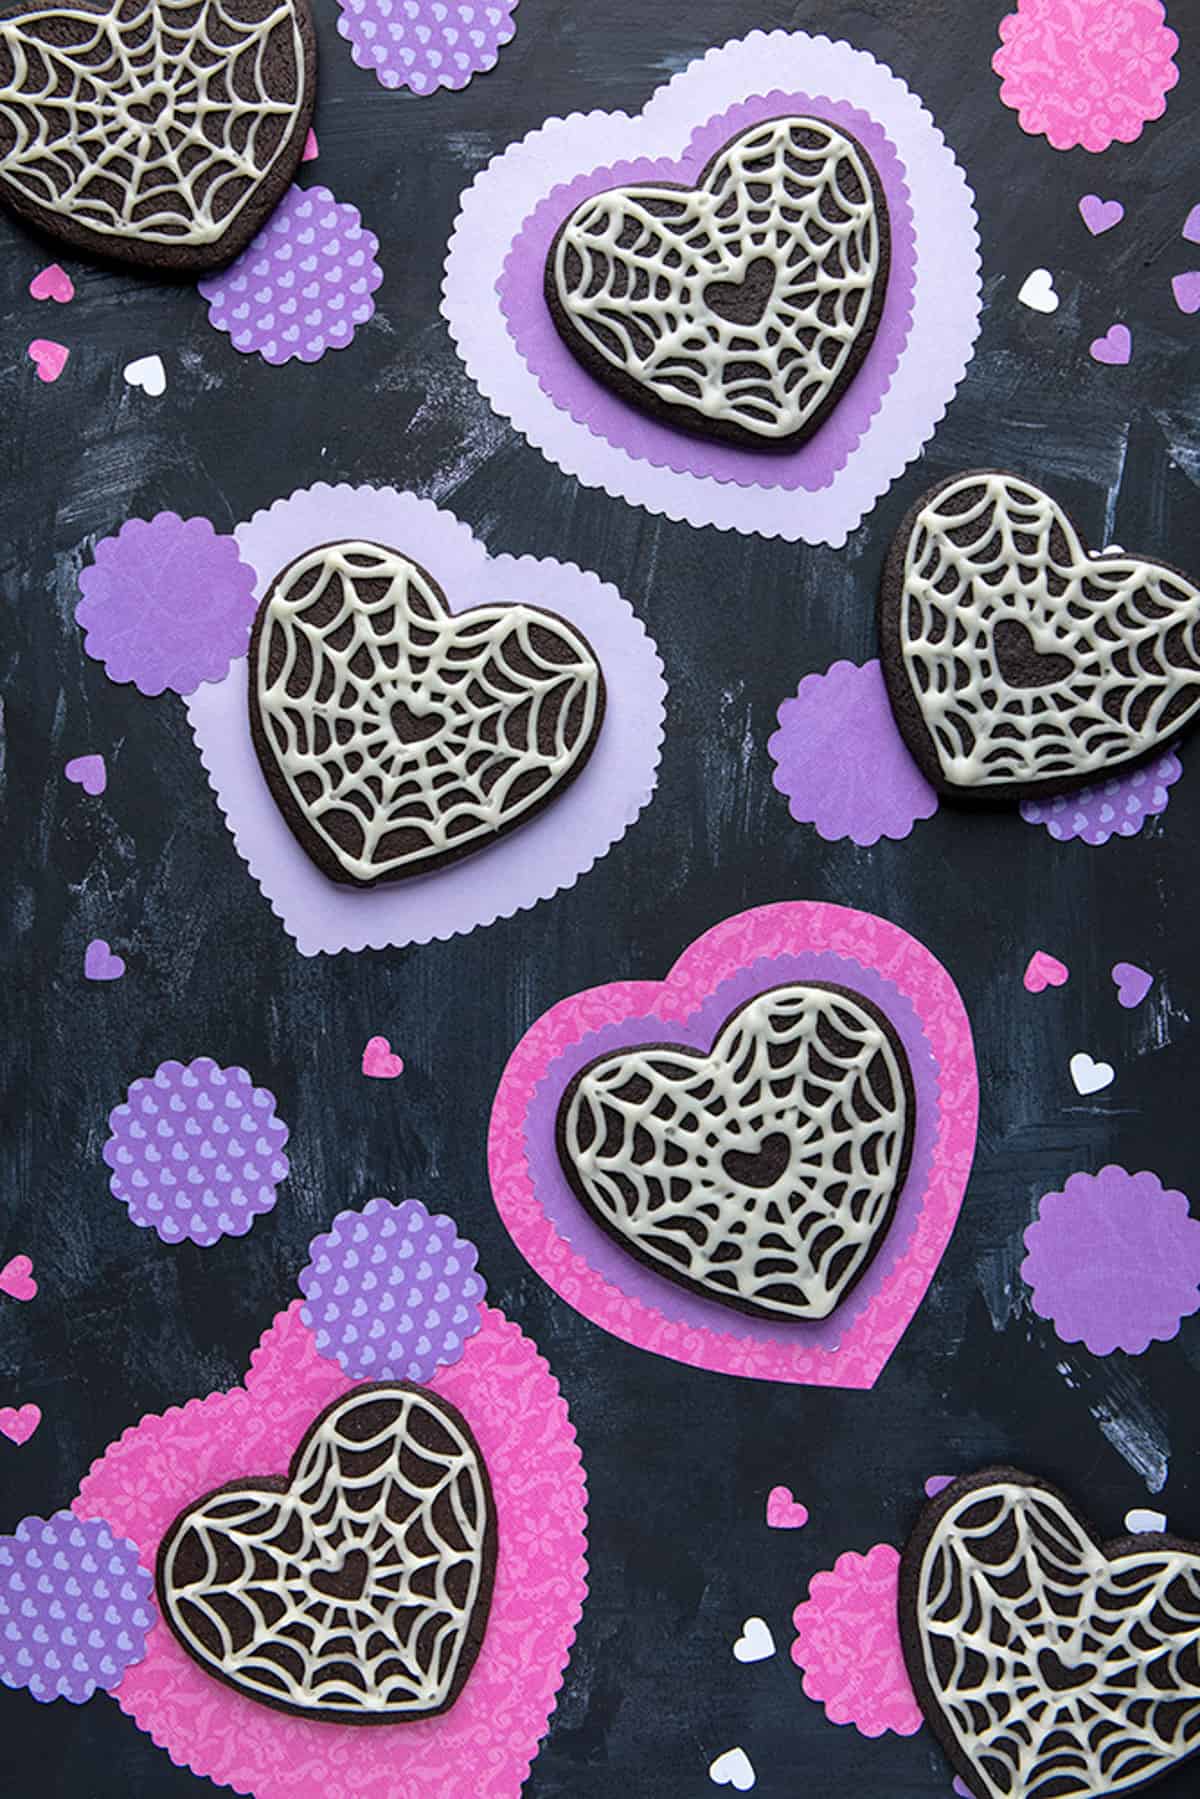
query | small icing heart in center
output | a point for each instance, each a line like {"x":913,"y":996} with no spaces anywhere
{"x":1021,"y":663}
{"x":347,"y":1582}
{"x":1062,"y":1676}
{"x":761,"y":1167}
{"x":411,"y":726}
{"x":743,"y":302}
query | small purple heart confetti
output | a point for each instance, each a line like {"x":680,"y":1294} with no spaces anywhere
{"x":1191,"y":225}
{"x":1100,"y":215}
{"x":1114,"y":348}
{"x":937,"y":1483}
{"x":1186,"y":289}
{"x":87,"y":772}
{"x":99,"y":962}
{"x":1132,"y":984}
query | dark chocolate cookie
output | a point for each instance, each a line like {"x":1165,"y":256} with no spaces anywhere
{"x":396,"y":736}
{"x":357,"y":1589}
{"x":764,"y":1174}
{"x":1017,"y":662}
{"x":1049,"y":1664}
{"x":155,"y":132}
{"x":739,"y":309}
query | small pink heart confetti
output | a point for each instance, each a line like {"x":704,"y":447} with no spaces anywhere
{"x":379,"y":1061}
{"x":1044,"y":971}
{"x":16,"y":1278}
{"x":1186,"y":289}
{"x":1132,"y":984}
{"x":310,"y":151}
{"x":99,"y":962}
{"x":18,"y":1423}
{"x":87,"y":772}
{"x":50,"y":359}
{"x":1114,"y":348}
{"x":784,"y":1512}
{"x":53,"y":283}
{"x":1100,"y":215}
{"x":1191,"y":225}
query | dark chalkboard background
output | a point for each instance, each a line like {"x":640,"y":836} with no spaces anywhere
{"x":679,"y":1462}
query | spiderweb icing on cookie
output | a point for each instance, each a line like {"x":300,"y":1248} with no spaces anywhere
{"x":765,"y":1173}
{"x":740,"y":304}
{"x":405,"y":735}
{"x":358,"y":1589}
{"x":154,"y":119}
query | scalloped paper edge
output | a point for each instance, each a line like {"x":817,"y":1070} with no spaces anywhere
{"x":551,"y":850}
{"x":945,"y":320}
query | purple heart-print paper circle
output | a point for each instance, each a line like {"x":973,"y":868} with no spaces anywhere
{"x":303,"y":285}
{"x":426,"y":44}
{"x":75,"y":1607}
{"x":196,"y":1151}
{"x":391,"y":1292}
{"x":813,"y":465}
{"x":1115,"y":808}
{"x":607,"y":1258}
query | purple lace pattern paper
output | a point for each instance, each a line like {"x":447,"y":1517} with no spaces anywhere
{"x":607,"y":1258}
{"x":303,"y":286}
{"x":426,"y":44}
{"x":1115,"y":808}
{"x":75,"y":1607}
{"x":391,"y":1292}
{"x":626,"y":427}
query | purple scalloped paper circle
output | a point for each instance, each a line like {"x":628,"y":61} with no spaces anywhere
{"x":303,"y":285}
{"x":167,"y":602}
{"x":606,"y":1257}
{"x":391,"y":1292}
{"x":196,"y":1151}
{"x":842,"y":762}
{"x":813,"y":465}
{"x":75,"y":1607}
{"x":424,"y":45}
{"x":551,"y":850}
{"x":1114,"y":1261}
{"x":534,"y":178}
{"x":1115,"y":808}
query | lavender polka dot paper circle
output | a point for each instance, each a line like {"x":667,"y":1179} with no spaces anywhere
{"x":391,"y":1292}
{"x":303,"y":285}
{"x":196,"y":1151}
{"x":75,"y":1607}
{"x":426,"y":44}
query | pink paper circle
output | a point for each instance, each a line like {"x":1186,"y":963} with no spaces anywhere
{"x":848,"y":1643}
{"x":789,"y":928}
{"x":484,"y":1745}
{"x":1090,"y":72}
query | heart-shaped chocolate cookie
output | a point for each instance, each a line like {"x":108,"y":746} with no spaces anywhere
{"x":763,"y":1174}
{"x":740,"y":308}
{"x":1049,"y":1665}
{"x":1016,"y":662}
{"x":356,"y":1589}
{"x":396,"y":736}
{"x":161,"y":132}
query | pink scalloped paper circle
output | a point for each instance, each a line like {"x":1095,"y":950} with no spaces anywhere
{"x":945,"y":302}
{"x":485,"y":1744}
{"x":848,"y":1643}
{"x":813,"y":465}
{"x":1086,"y":72}
{"x":549,"y":851}
{"x":792,"y":927}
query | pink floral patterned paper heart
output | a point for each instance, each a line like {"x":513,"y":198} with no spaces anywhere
{"x":856,"y":1353}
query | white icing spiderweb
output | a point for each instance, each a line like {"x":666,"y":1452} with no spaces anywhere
{"x":738,"y":302}
{"x":763,"y":1173}
{"x":1062,"y":1674}
{"x":404,"y":733}
{"x":353,"y":1592}
{"x":1032,"y":661}
{"x":151,"y":120}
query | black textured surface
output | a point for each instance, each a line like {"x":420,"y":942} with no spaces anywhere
{"x":679,"y":1462}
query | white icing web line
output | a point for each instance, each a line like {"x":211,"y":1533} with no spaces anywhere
{"x":66,"y":114}
{"x":632,"y":269}
{"x":474,"y":691}
{"x":1128,"y":1619}
{"x":808,"y":1073}
{"x":395,"y":1648}
{"x":1114,"y":618}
